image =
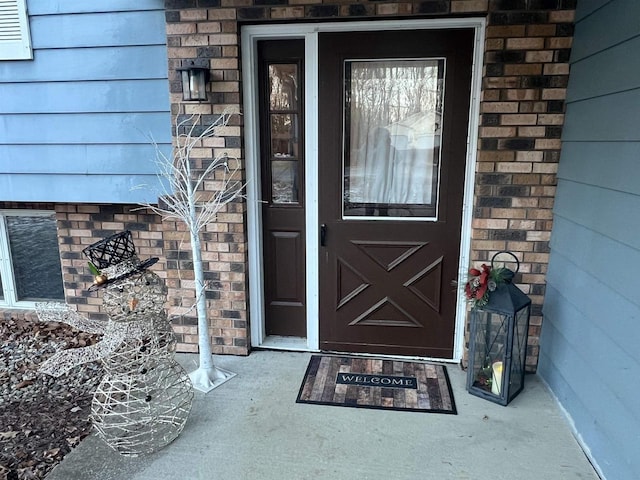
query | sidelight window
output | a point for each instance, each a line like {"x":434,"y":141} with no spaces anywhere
{"x":284,"y":133}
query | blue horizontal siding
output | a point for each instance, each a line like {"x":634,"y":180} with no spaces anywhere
{"x":599,"y":256}
{"x":81,"y":159}
{"x":589,"y":356}
{"x":605,"y":23}
{"x":612,"y":457}
{"x":607,"y":118}
{"x":51,"y":7}
{"x":98,"y":30}
{"x":87,"y":97}
{"x":606,"y":72}
{"x":589,"y":341}
{"x":587,"y":7}
{"x":591,"y":330}
{"x":86,"y":128}
{"x":610,"y":213}
{"x":100,"y":63}
{"x":599,"y":367}
{"x":612,"y":165}
{"x":80,"y":188}
{"x":78,"y":120}
{"x":597,"y":320}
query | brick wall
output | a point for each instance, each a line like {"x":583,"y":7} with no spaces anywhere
{"x":522,"y":112}
{"x":224,"y":262}
{"x":82,"y":225}
{"x":196,"y":34}
{"x":525,"y":75}
{"x":523,"y":89}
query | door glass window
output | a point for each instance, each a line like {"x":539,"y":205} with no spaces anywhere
{"x":284,"y":131}
{"x":393,"y":127}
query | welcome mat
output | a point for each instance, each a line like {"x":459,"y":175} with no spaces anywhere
{"x":377,"y":383}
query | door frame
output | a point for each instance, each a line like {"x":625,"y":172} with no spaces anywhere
{"x":250,"y":35}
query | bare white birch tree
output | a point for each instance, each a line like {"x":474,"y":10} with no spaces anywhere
{"x":185,"y":199}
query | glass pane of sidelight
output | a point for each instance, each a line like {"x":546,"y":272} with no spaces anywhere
{"x":394,"y":111}
{"x":283,"y":87}
{"x":284,"y":181}
{"x":1,"y":290}
{"x":284,"y":135}
{"x":35,"y":258}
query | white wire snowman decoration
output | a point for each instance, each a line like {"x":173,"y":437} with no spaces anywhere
{"x":145,"y":396}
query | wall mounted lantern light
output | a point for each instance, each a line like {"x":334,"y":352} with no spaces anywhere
{"x":194,"y":81}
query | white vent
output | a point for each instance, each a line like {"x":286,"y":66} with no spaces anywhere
{"x":15,"y":39}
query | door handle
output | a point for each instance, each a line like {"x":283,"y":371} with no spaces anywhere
{"x":323,"y":234}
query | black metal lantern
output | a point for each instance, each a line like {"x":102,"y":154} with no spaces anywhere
{"x":194,"y":81}
{"x":498,"y":342}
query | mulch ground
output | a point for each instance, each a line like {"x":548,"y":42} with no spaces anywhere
{"x":41,"y":418}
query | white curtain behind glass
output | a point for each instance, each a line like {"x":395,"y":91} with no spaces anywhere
{"x":394,"y":127}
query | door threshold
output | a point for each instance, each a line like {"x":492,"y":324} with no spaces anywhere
{"x":275,"y":342}
{"x":449,"y":361}
{"x":299,"y":344}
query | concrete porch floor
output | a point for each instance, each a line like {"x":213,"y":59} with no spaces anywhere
{"x":251,"y":428}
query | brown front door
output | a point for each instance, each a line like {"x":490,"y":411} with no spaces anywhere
{"x":393,"y":118}
{"x":280,"y":76}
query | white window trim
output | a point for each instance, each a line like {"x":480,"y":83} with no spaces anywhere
{"x":15,"y":36}
{"x":6,"y":267}
{"x":309,"y":32}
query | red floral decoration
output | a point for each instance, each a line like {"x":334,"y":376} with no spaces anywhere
{"x":481,"y":283}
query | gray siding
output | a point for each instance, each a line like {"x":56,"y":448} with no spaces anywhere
{"x":591,"y":332}
{"x":78,"y":119}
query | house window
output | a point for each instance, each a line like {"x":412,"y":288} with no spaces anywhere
{"x":15,"y":39}
{"x":30,"y":269}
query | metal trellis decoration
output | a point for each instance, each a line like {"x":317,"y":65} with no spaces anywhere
{"x":145,"y":396}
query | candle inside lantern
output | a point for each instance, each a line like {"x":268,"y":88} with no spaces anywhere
{"x":496,"y":378}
